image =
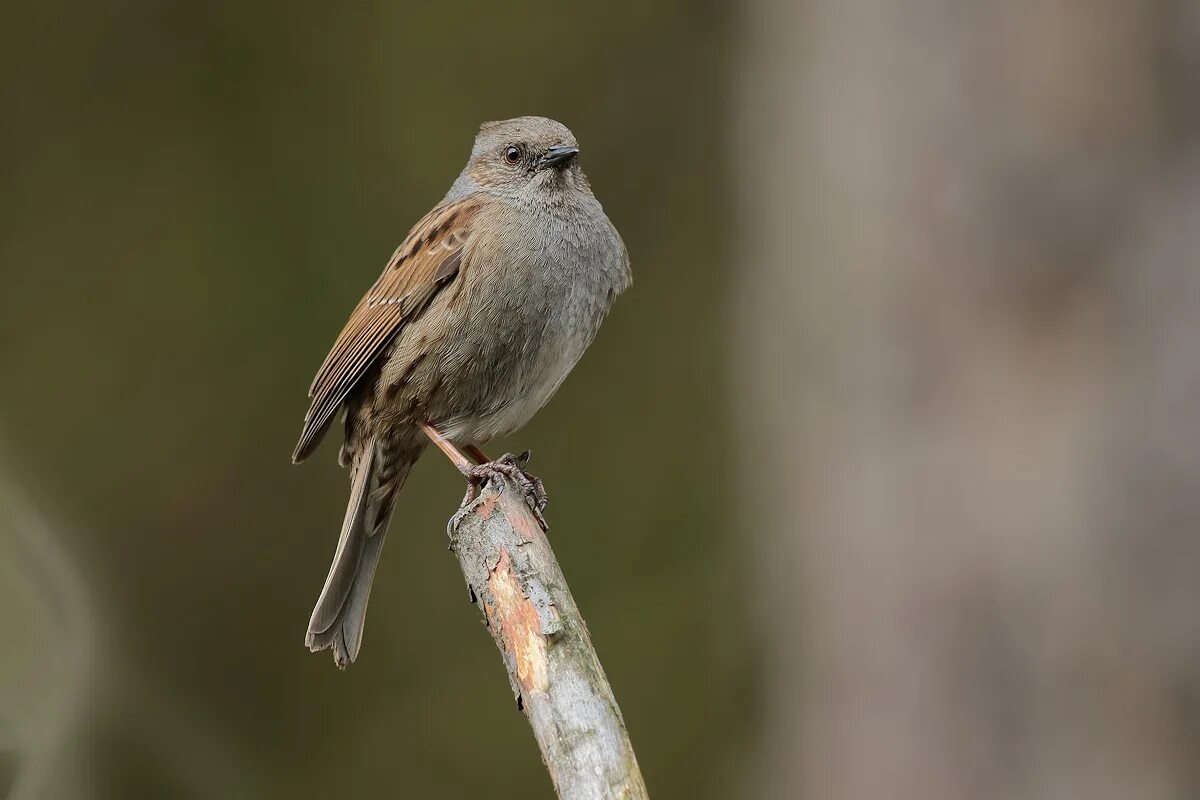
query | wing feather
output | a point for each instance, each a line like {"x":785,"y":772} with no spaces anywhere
{"x":430,"y":257}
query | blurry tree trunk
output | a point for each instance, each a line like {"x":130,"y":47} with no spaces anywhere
{"x":968,"y":376}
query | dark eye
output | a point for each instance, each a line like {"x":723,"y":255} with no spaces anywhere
{"x":512,"y":154}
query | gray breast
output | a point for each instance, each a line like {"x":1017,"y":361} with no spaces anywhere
{"x":548,"y":312}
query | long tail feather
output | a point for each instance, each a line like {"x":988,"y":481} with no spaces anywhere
{"x":338,"y":618}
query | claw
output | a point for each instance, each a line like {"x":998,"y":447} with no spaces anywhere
{"x":513,"y":467}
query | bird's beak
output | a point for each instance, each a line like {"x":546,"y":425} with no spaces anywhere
{"x":557,"y":155}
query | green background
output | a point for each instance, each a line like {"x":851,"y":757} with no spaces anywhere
{"x":194,"y":196}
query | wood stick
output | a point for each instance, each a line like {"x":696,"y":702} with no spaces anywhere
{"x":552,"y":666}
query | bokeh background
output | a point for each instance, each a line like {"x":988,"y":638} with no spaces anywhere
{"x":884,"y":479}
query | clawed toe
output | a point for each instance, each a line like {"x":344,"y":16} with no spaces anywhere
{"x":513,"y":467}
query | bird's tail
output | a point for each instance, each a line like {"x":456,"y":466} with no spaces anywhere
{"x":337,"y":621}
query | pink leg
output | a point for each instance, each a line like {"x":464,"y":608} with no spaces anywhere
{"x":460,"y":461}
{"x":477,"y":454}
{"x":482,"y":468}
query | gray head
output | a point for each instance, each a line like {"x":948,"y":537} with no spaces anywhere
{"x":530,"y":158}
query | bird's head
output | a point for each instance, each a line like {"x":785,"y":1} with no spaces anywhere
{"x":533,"y":158}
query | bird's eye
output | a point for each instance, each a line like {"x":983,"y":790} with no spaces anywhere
{"x":512,"y":154}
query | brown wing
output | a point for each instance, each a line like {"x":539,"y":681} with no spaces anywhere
{"x":428,"y":259}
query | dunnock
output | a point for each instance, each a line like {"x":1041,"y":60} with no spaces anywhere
{"x":474,"y":323}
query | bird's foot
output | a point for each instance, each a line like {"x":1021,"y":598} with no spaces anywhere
{"x":510,"y":466}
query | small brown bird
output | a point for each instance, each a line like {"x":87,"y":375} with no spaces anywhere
{"x":474,"y":323}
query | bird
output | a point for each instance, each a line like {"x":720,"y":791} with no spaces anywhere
{"x":477,"y":318}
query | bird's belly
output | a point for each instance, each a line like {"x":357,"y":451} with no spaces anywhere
{"x":530,"y":387}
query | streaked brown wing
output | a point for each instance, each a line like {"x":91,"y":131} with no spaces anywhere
{"x":429,"y":258}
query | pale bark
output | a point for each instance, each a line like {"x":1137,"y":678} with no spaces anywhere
{"x":555,"y":674}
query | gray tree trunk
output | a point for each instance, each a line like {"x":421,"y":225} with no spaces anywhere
{"x":968,"y":384}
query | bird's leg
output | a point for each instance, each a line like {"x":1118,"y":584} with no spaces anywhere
{"x":478,"y":473}
{"x":457,"y":458}
{"x":477,"y":454}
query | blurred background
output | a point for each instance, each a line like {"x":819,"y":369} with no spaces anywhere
{"x":884,"y":479}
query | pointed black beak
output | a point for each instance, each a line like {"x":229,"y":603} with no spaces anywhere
{"x":557,"y":156}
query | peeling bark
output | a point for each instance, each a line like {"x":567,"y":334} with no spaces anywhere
{"x":557,"y":679}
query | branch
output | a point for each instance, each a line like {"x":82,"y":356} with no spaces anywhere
{"x":556,"y":677}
